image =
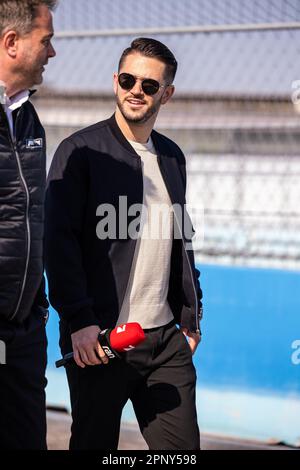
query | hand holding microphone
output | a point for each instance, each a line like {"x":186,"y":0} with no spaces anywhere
{"x":92,"y":346}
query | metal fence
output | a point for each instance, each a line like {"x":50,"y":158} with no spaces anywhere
{"x":236,"y":114}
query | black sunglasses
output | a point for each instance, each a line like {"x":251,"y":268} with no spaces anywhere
{"x":149,"y":86}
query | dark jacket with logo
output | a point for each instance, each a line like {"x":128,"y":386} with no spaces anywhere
{"x":22,"y":188}
{"x":88,"y":276}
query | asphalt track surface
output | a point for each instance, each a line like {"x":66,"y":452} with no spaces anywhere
{"x":131,"y":439}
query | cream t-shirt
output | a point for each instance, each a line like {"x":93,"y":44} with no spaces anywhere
{"x":145,"y":300}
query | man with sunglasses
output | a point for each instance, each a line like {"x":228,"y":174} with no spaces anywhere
{"x":107,"y":268}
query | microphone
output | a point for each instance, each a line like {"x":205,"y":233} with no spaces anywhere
{"x":122,"y":338}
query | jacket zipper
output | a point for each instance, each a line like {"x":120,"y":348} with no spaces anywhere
{"x":28,"y":233}
{"x":197,"y":321}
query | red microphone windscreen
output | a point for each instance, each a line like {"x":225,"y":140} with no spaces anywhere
{"x":126,"y":336}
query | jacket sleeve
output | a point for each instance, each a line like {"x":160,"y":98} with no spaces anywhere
{"x":66,"y":198}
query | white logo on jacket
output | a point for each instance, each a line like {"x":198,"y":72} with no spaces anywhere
{"x":34,"y":143}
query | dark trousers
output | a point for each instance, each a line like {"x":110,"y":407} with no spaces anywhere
{"x":22,"y":385}
{"x":158,"y":376}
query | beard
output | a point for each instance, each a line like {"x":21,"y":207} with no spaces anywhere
{"x":138,"y":117}
{"x":29,"y":73}
{"x":35,"y":75}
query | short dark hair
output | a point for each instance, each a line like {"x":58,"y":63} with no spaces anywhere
{"x":20,"y":14}
{"x":152,"y":48}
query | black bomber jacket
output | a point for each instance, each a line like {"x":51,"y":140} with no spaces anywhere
{"x":88,"y":276}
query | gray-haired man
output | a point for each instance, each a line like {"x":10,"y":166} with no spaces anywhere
{"x":25,"y":48}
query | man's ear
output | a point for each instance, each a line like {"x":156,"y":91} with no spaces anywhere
{"x":115,"y":83}
{"x":10,"y":43}
{"x":169,"y":92}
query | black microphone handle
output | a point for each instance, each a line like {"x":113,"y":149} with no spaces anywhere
{"x":67,"y":359}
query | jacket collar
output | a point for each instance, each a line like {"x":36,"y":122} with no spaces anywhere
{"x":124,"y":142}
{"x":169,"y":171}
{"x":120,"y":136}
{"x":17,"y":100}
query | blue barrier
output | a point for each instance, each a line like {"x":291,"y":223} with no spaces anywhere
{"x":248,"y":363}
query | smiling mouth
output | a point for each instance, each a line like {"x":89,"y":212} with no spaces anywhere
{"x":136,"y":102}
